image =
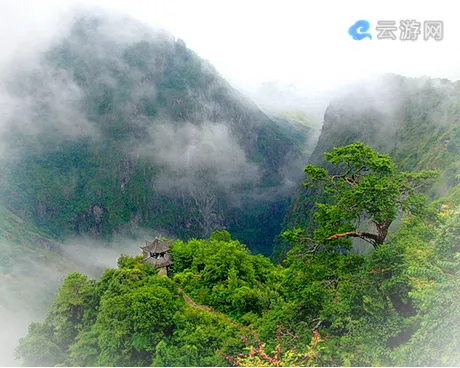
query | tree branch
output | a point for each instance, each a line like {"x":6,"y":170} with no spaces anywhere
{"x":317,"y":325}
{"x":405,"y":191}
{"x":313,"y":248}
{"x":372,"y":239}
{"x":341,"y":176}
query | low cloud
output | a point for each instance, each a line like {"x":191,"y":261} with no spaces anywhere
{"x":29,"y":279}
{"x":187,"y":151}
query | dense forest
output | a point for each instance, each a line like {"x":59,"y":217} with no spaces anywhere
{"x":325,"y":306}
{"x":134,"y":130}
{"x":288,"y":249}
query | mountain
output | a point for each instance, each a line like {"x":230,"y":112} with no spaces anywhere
{"x":116,"y":132}
{"x":119,"y":127}
{"x":415,"y":120}
{"x":220,"y":305}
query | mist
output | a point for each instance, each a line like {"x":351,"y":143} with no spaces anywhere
{"x":388,"y":100}
{"x":186,"y":149}
{"x":38,"y":97}
{"x":30,"y":277}
{"x":44,"y":104}
{"x":299,"y":64}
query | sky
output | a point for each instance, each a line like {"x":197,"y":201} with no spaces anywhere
{"x":302,"y":44}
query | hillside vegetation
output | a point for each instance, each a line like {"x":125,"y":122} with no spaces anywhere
{"x":416,"y":121}
{"x":396,"y":305}
{"x":122,"y":131}
{"x":121,"y":128}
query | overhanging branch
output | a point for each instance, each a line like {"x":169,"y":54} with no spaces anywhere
{"x":372,"y":239}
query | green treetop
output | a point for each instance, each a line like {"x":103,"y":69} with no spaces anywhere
{"x":367,"y":186}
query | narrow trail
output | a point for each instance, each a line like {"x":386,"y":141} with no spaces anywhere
{"x":189,"y":301}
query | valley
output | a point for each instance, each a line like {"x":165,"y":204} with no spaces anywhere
{"x":121,"y":133}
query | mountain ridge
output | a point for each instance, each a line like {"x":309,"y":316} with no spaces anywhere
{"x":415,"y":120}
{"x":152,"y":126}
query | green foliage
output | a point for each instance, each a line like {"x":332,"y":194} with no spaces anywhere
{"x":394,"y":306}
{"x":368,"y":187}
{"x":130,"y":317}
{"x":418,"y":126}
{"x":436,"y":287}
{"x":221,"y":273}
{"x":93,"y":180}
{"x":14,"y":229}
{"x":326,"y":306}
{"x":48,"y":343}
{"x":199,"y":339}
{"x":39,"y":348}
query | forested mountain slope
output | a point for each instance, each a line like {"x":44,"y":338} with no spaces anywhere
{"x":117,"y":131}
{"x":416,"y":121}
{"x":324,"y":306}
{"x":120,"y":127}
{"x":395,"y":306}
